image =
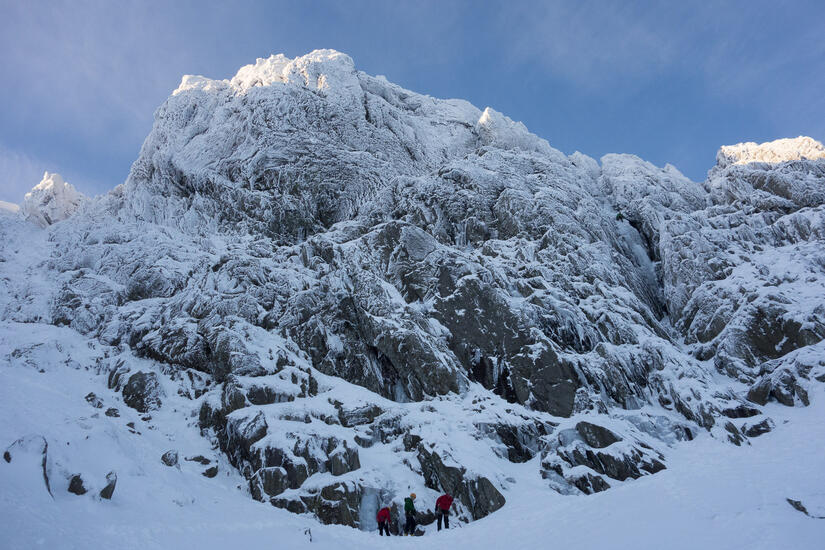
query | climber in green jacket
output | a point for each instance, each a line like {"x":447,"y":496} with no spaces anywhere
{"x":409,"y":511}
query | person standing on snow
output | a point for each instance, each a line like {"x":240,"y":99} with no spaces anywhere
{"x":383,"y":518}
{"x":442,"y":510}
{"x":409,"y":511}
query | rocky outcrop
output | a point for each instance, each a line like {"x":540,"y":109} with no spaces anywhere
{"x":595,"y":435}
{"x":603,"y":454}
{"x":478,"y":495}
{"x":143,"y":392}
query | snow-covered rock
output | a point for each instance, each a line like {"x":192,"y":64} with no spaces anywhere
{"x":362,"y":292}
{"x":51,"y":200}
{"x":780,"y":150}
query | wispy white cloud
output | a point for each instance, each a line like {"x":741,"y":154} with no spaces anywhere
{"x":18,"y":174}
{"x":592,"y":43}
{"x":97,"y":67}
{"x":769,"y":55}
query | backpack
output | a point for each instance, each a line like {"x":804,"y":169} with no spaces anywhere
{"x":408,"y":505}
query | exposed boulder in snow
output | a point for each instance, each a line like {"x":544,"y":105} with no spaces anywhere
{"x":595,"y":435}
{"x":143,"y":392}
{"x":170,"y":458}
{"x":94,"y":400}
{"x":109,"y":489}
{"x":51,"y":200}
{"x":76,"y":485}
{"x":758,"y":428}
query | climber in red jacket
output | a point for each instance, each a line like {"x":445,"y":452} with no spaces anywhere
{"x":442,"y":510}
{"x":383,"y":518}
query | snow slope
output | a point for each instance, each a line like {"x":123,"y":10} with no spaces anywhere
{"x":713,"y":495}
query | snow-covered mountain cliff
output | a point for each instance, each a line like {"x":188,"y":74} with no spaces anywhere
{"x":51,"y":200}
{"x":360,"y":292}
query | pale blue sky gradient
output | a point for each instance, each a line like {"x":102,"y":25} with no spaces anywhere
{"x":668,"y":81}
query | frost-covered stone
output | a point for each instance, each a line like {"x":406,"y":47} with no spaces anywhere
{"x":170,"y":458}
{"x":52,"y":200}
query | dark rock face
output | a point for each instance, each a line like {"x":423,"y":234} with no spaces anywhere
{"x":478,"y":495}
{"x":109,"y":489}
{"x":143,"y":392}
{"x":76,"y":485}
{"x":520,"y":442}
{"x":781,"y":385}
{"x":570,"y":449}
{"x":288,"y":468}
{"x":170,"y":458}
{"x":210,"y":472}
{"x":741,"y":411}
{"x":336,"y":504}
{"x":734,"y":435}
{"x":588,"y":483}
{"x":759,"y":428}
{"x":595,"y":435}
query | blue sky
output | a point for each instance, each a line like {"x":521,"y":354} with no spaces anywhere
{"x":668,"y":81}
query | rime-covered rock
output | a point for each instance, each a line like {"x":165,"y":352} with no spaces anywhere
{"x":52,"y":200}
{"x":335,"y":269}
